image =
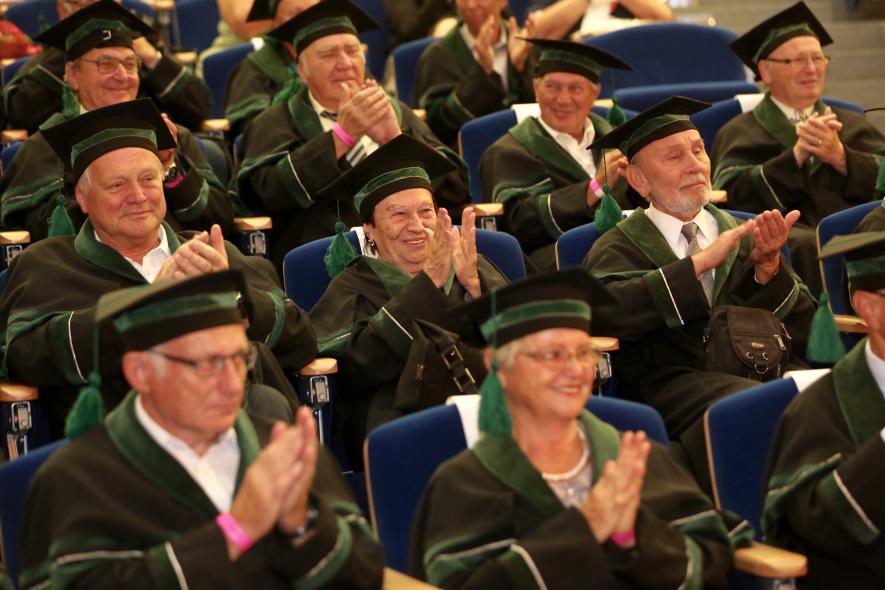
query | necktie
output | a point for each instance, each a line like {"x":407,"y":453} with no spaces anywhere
{"x":357,"y":152}
{"x":690,"y":231}
{"x":799,"y":117}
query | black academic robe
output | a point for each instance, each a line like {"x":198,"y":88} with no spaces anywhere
{"x":48,"y":307}
{"x":288,"y":159}
{"x":29,"y":189}
{"x":453,"y":89}
{"x":489,"y":520}
{"x":543,"y":188}
{"x":256,"y":81}
{"x":131,"y":517}
{"x":824,"y":478}
{"x":753,"y":160}
{"x":413,"y":19}
{"x":364,"y":319}
{"x":35,"y":92}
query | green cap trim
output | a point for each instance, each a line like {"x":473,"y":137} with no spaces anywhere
{"x":94,"y":25}
{"x":570,"y":57}
{"x":333,"y":22}
{"x":532,"y":311}
{"x":777,"y":36}
{"x":650,"y":126}
{"x":387,"y":178}
{"x":867,"y":266}
{"x":109,"y":135}
{"x":171,"y":308}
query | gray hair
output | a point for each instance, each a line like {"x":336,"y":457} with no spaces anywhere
{"x":84,"y":184}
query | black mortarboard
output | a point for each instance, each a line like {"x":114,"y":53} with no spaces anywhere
{"x":761,"y":40}
{"x":103,"y":24}
{"x":263,"y":10}
{"x":80,"y":141}
{"x":864,"y":259}
{"x":661,"y":120}
{"x":326,"y":18}
{"x":399,"y":164}
{"x":576,"y":58}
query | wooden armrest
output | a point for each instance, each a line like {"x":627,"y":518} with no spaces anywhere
{"x":606,"y":103}
{"x":605,"y":343}
{"x":252,"y":223}
{"x":16,"y":392}
{"x":215,"y":125}
{"x":718,"y":197}
{"x":9,"y":135}
{"x":420,"y":113}
{"x":320,"y":366}
{"x":15,"y":237}
{"x":765,"y":561}
{"x":394,"y":580}
{"x":188,"y":58}
{"x":851,"y":324}
{"x":488,"y":209}
{"x":162,"y":5}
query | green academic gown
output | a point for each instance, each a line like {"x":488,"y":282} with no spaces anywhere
{"x":114,"y":510}
{"x":30,"y":188}
{"x":543,"y":189}
{"x":364,"y":319}
{"x":489,"y":520}
{"x":288,"y":159}
{"x":824,"y":492}
{"x":753,"y":160}
{"x":453,"y":89}
{"x":48,"y":307}
{"x":35,"y":92}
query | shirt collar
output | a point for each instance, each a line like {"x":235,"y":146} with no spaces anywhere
{"x":163,"y":246}
{"x":559,"y":136}
{"x":671,"y":227}
{"x":470,"y":40}
{"x":877,"y":367}
{"x":168,"y":441}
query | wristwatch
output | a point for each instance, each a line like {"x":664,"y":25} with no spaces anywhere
{"x":310,"y":521}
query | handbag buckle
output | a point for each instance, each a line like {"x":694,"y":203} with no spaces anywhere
{"x":464,"y":381}
{"x":451,"y":356}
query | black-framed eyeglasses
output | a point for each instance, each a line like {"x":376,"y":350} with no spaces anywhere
{"x":212,"y":365}
{"x":557,"y":358}
{"x":108,"y":65}
{"x":817,"y":61}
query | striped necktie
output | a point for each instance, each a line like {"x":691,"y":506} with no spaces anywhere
{"x":354,"y":154}
{"x":690,"y":231}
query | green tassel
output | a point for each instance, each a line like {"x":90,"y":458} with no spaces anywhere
{"x":60,"y":223}
{"x":340,"y":252}
{"x":70,"y":106}
{"x":616,"y":115}
{"x":88,"y":410}
{"x":494,"y":416}
{"x":42,"y":23}
{"x":609,"y":213}
{"x":880,"y":179}
{"x":288,"y":90}
{"x":824,"y":341}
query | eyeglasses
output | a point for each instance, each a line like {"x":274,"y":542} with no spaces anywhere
{"x":108,"y":65}
{"x":212,"y":365}
{"x":558,"y":358}
{"x":818,"y":61}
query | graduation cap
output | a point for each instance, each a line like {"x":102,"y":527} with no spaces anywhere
{"x":576,"y":58}
{"x":796,"y":21}
{"x":263,"y":10}
{"x":80,"y":141}
{"x":144,"y":316}
{"x":329,"y":17}
{"x":103,"y":24}
{"x":561,"y":299}
{"x":662,"y":120}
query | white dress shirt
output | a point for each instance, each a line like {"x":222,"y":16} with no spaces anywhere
{"x":369,"y":145}
{"x":576,"y":149}
{"x":793,"y":114}
{"x":153,"y":261}
{"x":671,"y":228}
{"x":215,"y":472}
{"x":501,"y":57}
{"x":877,"y":368}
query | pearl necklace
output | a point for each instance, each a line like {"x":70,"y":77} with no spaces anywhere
{"x":571,"y":473}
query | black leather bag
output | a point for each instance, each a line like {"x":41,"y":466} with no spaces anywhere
{"x":439,"y":364}
{"x":747,"y":342}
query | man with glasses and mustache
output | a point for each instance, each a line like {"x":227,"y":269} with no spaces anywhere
{"x":793,"y":151}
{"x":670,"y":264}
{"x":36,"y":91}
{"x":101,"y":69}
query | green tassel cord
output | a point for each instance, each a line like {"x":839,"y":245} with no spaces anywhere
{"x":616,"y":115}
{"x":494,"y":416}
{"x":288,"y":90}
{"x":70,"y":106}
{"x":880,"y":178}
{"x":88,"y":410}
{"x":824,"y":341}
{"x":60,"y":223}
{"x":609,"y":213}
{"x":340,"y":252}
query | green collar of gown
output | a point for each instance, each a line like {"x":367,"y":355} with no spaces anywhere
{"x":107,"y":258}
{"x":533,"y":137}
{"x":270,"y":61}
{"x":779,"y":127}
{"x":860,"y":399}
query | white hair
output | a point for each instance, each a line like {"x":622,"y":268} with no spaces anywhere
{"x":85,"y":182}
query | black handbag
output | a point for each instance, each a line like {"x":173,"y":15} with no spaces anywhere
{"x":438,"y":365}
{"x":747,"y":342}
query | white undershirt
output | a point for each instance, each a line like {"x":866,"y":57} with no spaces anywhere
{"x":153,"y":261}
{"x":327,"y":123}
{"x":576,"y":149}
{"x":877,"y":369}
{"x":499,"y":51}
{"x":215,"y":472}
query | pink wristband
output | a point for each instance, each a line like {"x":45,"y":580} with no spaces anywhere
{"x":594,"y":186}
{"x":343,"y":136}
{"x":623,"y":539}
{"x":233,"y":531}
